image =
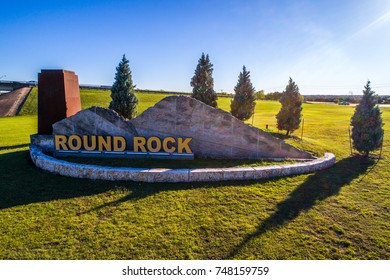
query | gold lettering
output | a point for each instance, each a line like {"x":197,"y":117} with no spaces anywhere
{"x":72,"y":139}
{"x":166,"y":149}
{"x":150,"y":144}
{"x":86,"y":143}
{"x":139,"y":143}
{"x":104,"y":143}
{"x":184,"y":145}
{"x":60,"y":141}
{"x":119,"y":143}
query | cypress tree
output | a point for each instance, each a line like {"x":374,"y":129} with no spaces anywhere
{"x":124,"y":101}
{"x":243,"y":103}
{"x":203,"y":82}
{"x":289,"y":116}
{"x":366,"y":122}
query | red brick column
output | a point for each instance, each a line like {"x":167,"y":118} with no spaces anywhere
{"x":58,"y":98}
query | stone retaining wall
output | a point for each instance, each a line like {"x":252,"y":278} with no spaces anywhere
{"x":88,"y":171}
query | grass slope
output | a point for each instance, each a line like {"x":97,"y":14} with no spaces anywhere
{"x":90,"y":98}
{"x":339,"y":213}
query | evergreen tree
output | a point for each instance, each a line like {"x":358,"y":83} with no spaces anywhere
{"x":124,"y":101}
{"x":289,"y":116}
{"x":366,"y":122}
{"x":243,"y":103}
{"x":203,"y":82}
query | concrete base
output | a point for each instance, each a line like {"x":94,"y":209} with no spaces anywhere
{"x":154,"y":175}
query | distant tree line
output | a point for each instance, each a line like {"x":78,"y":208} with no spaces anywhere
{"x":333,"y":98}
{"x":161,"y":91}
{"x":276,"y":95}
{"x":383,"y":99}
{"x":380,"y":99}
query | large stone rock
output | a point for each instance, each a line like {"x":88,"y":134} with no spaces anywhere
{"x":214,"y":132}
{"x":96,"y":121}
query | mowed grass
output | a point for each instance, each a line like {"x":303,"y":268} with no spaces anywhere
{"x":339,"y":213}
{"x":90,"y":98}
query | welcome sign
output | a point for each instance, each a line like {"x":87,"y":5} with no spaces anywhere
{"x":176,"y":127}
{"x":92,"y":145}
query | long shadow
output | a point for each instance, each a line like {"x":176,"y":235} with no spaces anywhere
{"x":283,"y":136}
{"x":143,"y":190}
{"x":22,"y":183}
{"x":317,"y":187}
{"x":14,"y":146}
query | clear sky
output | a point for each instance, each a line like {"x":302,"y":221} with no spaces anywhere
{"x":326,"y":46}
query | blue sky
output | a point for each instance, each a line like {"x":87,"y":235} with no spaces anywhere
{"x":327,"y":47}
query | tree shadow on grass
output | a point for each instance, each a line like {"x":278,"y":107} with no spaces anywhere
{"x":143,"y":190}
{"x":14,"y":146}
{"x":22,"y":183}
{"x":283,"y":136}
{"x":317,"y":187}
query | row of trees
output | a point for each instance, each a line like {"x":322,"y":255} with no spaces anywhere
{"x":367,"y":131}
{"x":243,"y":103}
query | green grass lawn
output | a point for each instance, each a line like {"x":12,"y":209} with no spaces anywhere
{"x":339,"y":213}
{"x":90,"y":98}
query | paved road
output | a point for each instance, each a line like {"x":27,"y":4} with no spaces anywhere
{"x":10,"y":102}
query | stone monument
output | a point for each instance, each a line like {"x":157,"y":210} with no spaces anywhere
{"x":177,"y":127}
{"x":58,"y":98}
{"x":214,"y":133}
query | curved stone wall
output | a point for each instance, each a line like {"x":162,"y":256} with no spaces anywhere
{"x":77,"y":170}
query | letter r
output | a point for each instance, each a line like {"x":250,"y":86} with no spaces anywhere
{"x":60,"y":142}
{"x":139,"y":144}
